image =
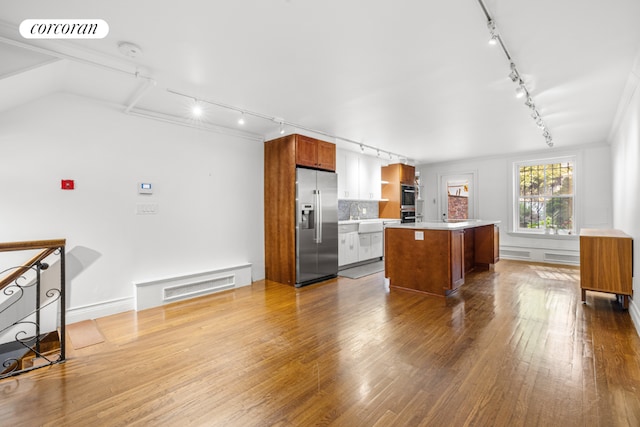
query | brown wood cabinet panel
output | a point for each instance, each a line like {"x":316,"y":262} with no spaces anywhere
{"x":457,"y":258}
{"x":314,"y":153}
{"x":419,"y":265}
{"x":279,"y":209}
{"x":606,"y":262}
{"x":407,"y":174}
{"x":487,"y":241}
{"x":394,"y":175}
{"x":306,"y":151}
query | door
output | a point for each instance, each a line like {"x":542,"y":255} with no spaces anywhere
{"x":457,"y":196}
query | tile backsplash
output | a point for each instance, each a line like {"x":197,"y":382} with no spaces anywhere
{"x":352,"y":209}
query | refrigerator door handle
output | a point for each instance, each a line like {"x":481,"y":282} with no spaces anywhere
{"x":318,"y":217}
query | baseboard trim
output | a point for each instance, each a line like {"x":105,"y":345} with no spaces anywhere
{"x":544,"y":255}
{"x":101,"y":309}
{"x":634,"y":312}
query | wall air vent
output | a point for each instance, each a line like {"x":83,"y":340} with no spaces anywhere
{"x":199,"y":288}
{"x":511,"y":254}
{"x":561,"y":258}
{"x":164,"y":291}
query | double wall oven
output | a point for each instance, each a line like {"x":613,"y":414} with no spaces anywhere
{"x":407,"y":203}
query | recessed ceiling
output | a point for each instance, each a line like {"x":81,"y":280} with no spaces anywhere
{"x":416,"y":78}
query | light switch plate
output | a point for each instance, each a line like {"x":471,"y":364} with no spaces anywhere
{"x":146,"y":209}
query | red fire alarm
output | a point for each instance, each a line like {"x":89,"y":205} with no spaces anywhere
{"x":67,"y":184}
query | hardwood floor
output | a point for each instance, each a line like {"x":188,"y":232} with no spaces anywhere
{"x":514,"y":347}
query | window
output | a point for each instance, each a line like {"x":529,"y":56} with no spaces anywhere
{"x":545,"y":197}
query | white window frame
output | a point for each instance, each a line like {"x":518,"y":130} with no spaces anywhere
{"x":515,"y":217}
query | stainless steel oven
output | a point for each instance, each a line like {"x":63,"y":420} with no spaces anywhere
{"x":407,"y":197}
{"x":407,"y":215}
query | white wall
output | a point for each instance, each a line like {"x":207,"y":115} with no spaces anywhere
{"x":494,"y":197}
{"x":208,"y":187}
{"x":625,"y":148}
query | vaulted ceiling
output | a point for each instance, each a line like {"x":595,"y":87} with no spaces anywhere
{"x":416,"y":78}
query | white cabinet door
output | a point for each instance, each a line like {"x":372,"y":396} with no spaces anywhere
{"x":364,"y":247}
{"x":347,"y":248}
{"x":347,"y":169}
{"x":369,"y":176}
{"x":376,"y":245}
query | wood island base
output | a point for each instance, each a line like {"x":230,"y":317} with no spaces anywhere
{"x":435,"y":261}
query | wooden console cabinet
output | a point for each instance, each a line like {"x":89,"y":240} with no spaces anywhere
{"x":606,"y":263}
{"x":281,"y":156}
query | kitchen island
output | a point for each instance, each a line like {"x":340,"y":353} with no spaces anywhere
{"x":433,"y":257}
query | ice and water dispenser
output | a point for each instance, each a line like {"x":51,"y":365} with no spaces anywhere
{"x":307,"y":219}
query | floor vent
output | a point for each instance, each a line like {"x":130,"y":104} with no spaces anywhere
{"x":163,"y":291}
{"x":511,"y":254}
{"x":562,"y":258}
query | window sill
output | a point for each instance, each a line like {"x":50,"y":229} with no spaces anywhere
{"x":544,"y":235}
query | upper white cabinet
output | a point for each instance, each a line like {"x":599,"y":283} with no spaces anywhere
{"x":369,"y":177}
{"x":347,"y":169}
{"x":358,"y":176}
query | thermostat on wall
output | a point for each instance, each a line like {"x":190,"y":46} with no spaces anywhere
{"x":145,"y":188}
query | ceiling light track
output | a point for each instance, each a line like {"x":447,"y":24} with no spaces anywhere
{"x":515,"y":76}
{"x":282,"y":123}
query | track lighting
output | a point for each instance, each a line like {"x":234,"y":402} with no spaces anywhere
{"x":529,"y":103}
{"x":493,"y":40}
{"x":514,"y":74}
{"x":197,"y":109}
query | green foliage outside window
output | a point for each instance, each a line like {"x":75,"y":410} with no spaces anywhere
{"x":546,"y":197}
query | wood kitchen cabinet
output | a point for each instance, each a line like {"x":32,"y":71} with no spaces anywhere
{"x":393,"y":176}
{"x":434,"y":260}
{"x":606,"y":263}
{"x":457,"y":258}
{"x":487,"y":243}
{"x":314,"y":153}
{"x":280,"y":159}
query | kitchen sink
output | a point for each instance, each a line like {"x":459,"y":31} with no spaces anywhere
{"x":370,"y":226}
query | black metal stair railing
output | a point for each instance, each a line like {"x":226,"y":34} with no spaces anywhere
{"x":32,"y":308}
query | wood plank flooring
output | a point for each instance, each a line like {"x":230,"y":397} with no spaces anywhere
{"x":514,"y":347}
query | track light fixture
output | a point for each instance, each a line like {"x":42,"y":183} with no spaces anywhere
{"x":529,"y":103}
{"x":493,"y":40}
{"x":521,"y":90}
{"x":198,"y":110}
{"x":515,"y":76}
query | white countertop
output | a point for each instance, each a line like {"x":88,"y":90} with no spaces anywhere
{"x":358,"y":221}
{"x":439,"y":225}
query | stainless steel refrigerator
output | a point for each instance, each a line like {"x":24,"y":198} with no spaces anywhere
{"x":316,"y":226}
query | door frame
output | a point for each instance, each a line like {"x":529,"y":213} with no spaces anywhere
{"x":443,"y":204}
